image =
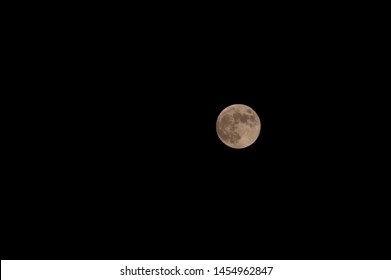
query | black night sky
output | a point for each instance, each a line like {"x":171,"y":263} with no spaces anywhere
{"x":119,"y":157}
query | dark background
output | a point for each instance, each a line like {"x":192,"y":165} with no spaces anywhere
{"x":116,"y":156}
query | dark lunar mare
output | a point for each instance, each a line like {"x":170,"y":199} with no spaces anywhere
{"x":244,"y":118}
{"x":234,"y":137}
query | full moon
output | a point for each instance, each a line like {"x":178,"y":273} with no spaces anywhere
{"x":238,"y":126}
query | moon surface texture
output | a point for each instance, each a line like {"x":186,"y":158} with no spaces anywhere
{"x":238,"y":126}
